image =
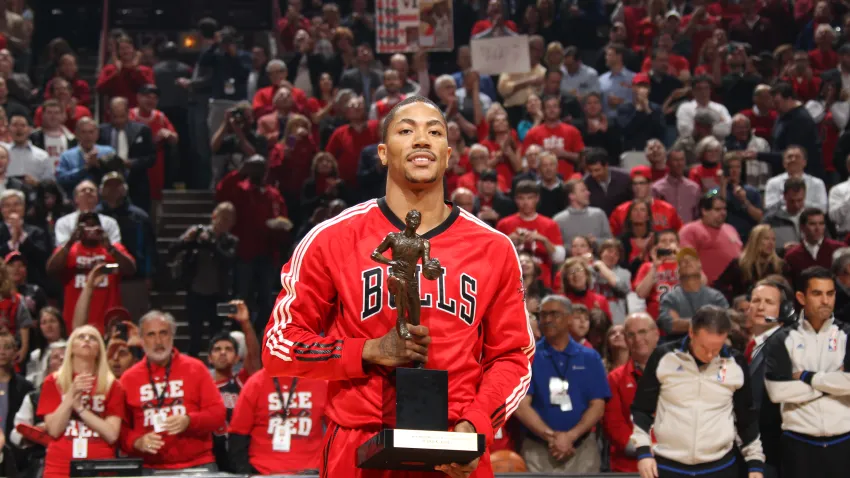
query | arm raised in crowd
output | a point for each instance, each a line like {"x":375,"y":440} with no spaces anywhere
{"x":253,"y":360}
{"x":81,"y":308}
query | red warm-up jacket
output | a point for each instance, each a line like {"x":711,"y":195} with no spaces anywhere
{"x":188,"y":390}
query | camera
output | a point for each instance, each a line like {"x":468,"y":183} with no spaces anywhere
{"x":225,"y":309}
{"x":662,"y":252}
{"x":238,"y":115}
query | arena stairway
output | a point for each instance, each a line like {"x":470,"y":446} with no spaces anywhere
{"x":180,"y":209}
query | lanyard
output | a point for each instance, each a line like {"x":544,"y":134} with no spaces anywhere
{"x":562,"y":376}
{"x":288,"y":402}
{"x":160,"y":397}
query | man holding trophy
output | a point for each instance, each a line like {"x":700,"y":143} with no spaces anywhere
{"x":427,"y":349}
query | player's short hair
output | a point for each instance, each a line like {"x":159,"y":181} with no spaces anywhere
{"x":595,"y":156}
{"x":809,"y":213}
{"x":159,"y":315}
{"x":409,"y":100}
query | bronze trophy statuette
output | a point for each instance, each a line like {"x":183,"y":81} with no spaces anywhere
{"x":421,"y":439}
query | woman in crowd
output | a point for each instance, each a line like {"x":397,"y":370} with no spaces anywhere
{"x":532,"y":116}
{"x":615,"y":352}
{"x":531,"y":277}
{"x":289,"y":162}
{"x":322,"y":102}
{"x":758,"y":261}
{"x":637,"y":237}
{"x":15,"y":317}
{"x":49,"y":330}
{"x":554,"y":56}
{"x":576,"y":279}
{"x":709,"y":153}
{"x":503,"y":144}
{"x":611,"y":280}
{"x":324,"y":184}
{"x":80,"y":399}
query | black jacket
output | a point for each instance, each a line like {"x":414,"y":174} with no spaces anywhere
{"x":796,"y":127}
{"x":142,"y":157}
{"x":371,"y":175}
{"x":36,"y":249}
{"x":316,"y":65}
{"x":619,"y":190}
{"x":37,"y":138}
{"x":187,"y":255}
{"x":770,"y":419}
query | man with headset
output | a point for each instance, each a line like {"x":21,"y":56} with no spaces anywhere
{"x":770,"y":308}
{"x":805,"y":365}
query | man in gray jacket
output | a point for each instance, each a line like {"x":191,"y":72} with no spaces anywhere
{"x":580,"y":218}
{"x":695,"y":396}
{"x":682,"y":302}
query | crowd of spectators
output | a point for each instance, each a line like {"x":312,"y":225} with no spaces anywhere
{"x":658,"y":162}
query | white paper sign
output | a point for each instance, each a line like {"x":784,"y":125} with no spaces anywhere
{"x":497,"y":55}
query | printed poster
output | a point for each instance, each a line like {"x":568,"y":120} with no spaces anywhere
{"x":410,"y":25}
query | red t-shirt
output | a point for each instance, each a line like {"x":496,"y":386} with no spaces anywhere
{"x":822,"y":60}
{"x":260,"y":410}
{"x":156,"y":174}
{"x":702,"y":32}
{"x":125,"y":82}
{"x":486,"y":24}
{"x":543,"y":225}
{"x":664,"y":216}
{"x":763,"y":123}
{"x":107,"y":293}
{"x":346,"y":144}
{"x":591,"y":300}
{"x":677,"y":64}
{"x":57,"y":463}
{"x":563,"y":136}
{"x":666,"y":277}
{"x":470,"y":181}
{"x":503,"y":169}
{"x":705,"y":177}
{"x":805,"y":88}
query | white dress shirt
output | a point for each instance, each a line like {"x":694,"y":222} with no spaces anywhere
{"x":813,"y":248}
{"x":29,"y":160}
{"x":815,"y":191}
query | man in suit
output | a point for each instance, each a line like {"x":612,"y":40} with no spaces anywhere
{"x":363,"y":80}
{"x":371,"y":174}
{"x":133,"y":143}
{"x":814,"y":249}
{"x":31,"y":241}
{"x":765,"y":315}
{"x":16,"y":387}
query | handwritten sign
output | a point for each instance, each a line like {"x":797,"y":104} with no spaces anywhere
{"x":497,"y":55}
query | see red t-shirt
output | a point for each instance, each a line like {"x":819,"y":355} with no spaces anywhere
{"x":543,"y":225}
{"x":666,"y":277}
{"x":107,"y":294}
{"x":346,"y":144}
{"x":60,"y":451}
{"x":260,"y":410}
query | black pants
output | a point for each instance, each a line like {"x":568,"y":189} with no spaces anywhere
{"x":201,"y":309}
{"x":815,"y":457}
{"x":726,"y":467}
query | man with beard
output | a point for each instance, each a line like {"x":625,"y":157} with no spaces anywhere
{"x":173,"y":405}
{"x":392,"y":85}
{"x":806,"y":374}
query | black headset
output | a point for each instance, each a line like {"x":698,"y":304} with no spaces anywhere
{"x":787,"y":311}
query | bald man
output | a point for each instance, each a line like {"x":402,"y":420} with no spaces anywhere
{"x":399,"y":63}
{"x":641,"y":338}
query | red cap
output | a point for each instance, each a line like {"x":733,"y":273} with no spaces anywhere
{"x":642,"y":170}
{"x":640,"y":79}
{"x":14,"y":255}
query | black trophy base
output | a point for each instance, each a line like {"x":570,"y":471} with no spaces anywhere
{"x":418,"y":450}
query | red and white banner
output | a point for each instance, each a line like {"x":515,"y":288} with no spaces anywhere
{"x":413,"y":25}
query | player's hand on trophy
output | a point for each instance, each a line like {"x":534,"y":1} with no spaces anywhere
{"x":391,"y":350}
{"x":456,"y":470}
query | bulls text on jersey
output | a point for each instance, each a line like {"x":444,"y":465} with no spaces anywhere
{"x":460,"y":304}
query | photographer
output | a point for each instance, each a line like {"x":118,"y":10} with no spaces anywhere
{"x":743,"y":202}
{"x":235,"y":140}
{"x":262,"y":227}
{"x":87,"y":249}
{"x":204,"y":256}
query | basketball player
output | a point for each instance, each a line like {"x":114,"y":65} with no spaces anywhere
{"x":335,"y":318}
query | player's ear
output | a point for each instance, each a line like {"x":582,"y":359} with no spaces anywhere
{"x":448,"y":155}
{"x":382,"y":153}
